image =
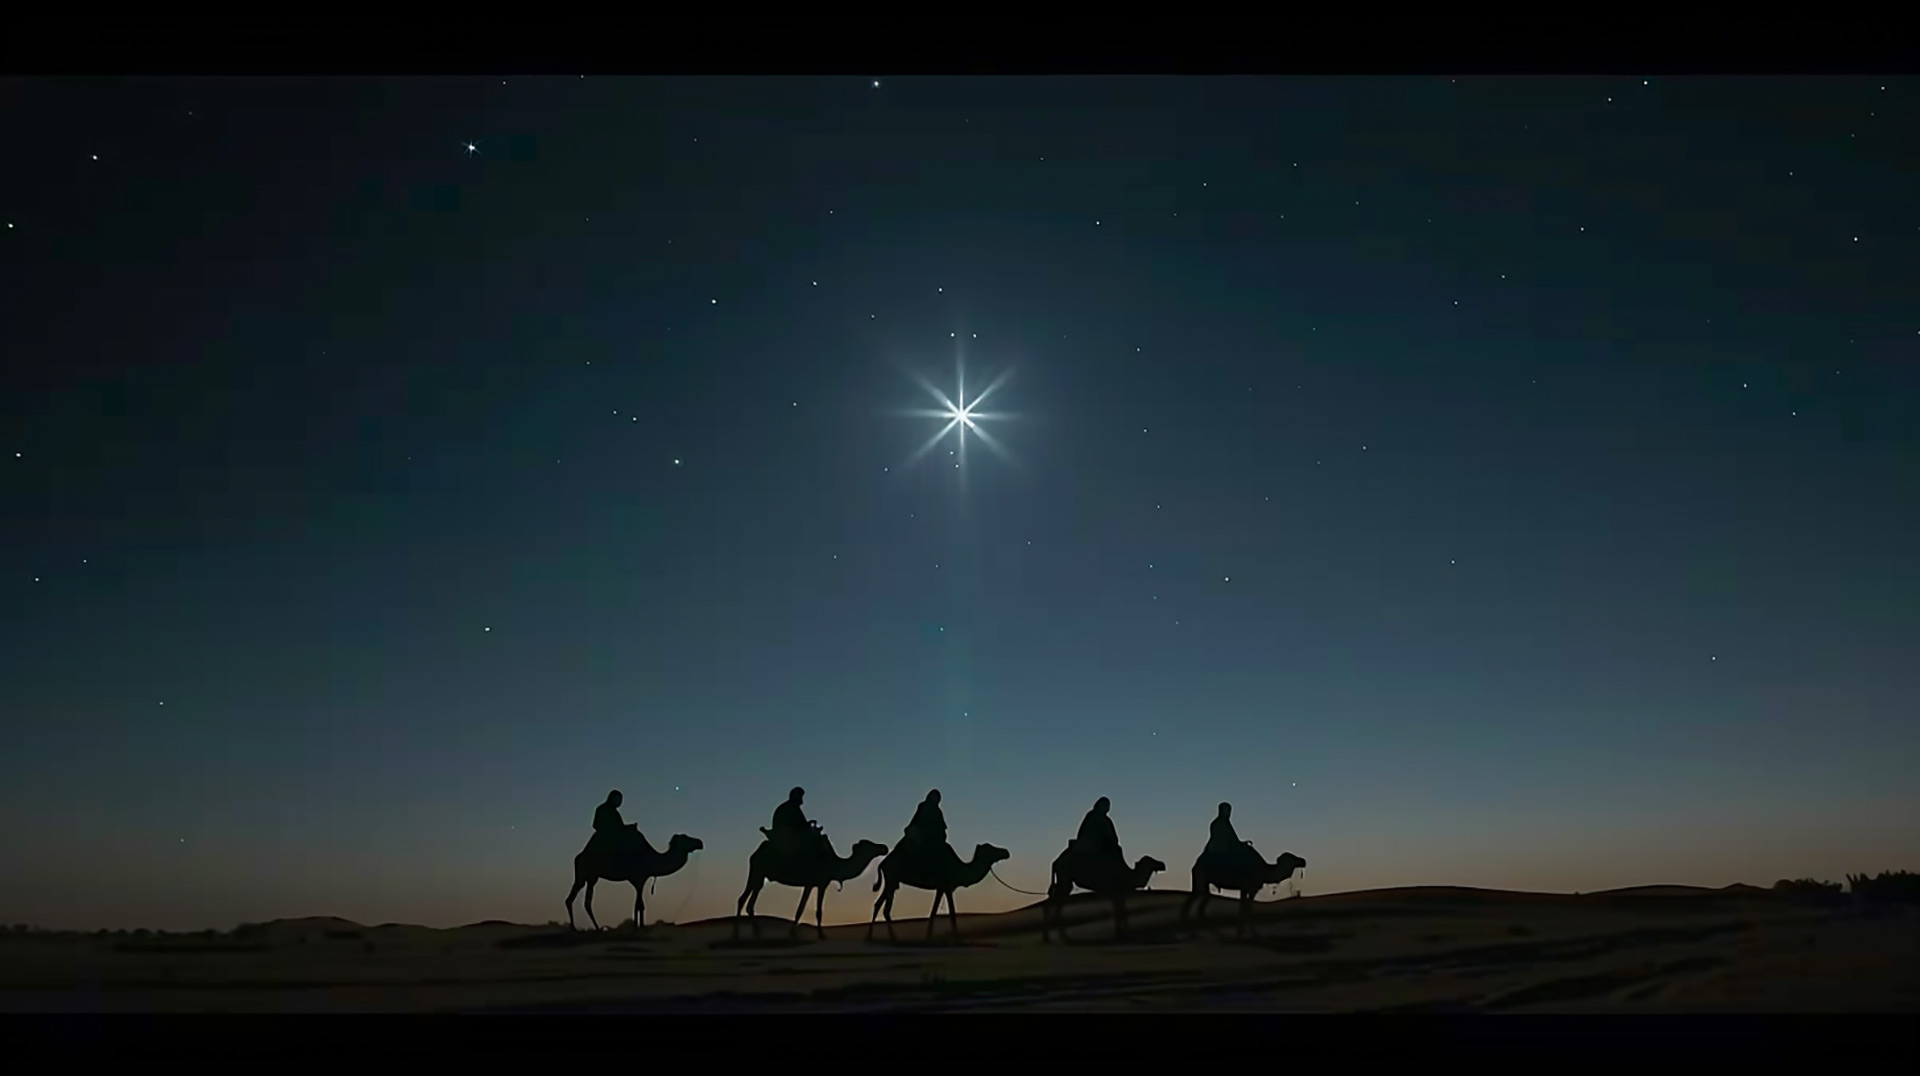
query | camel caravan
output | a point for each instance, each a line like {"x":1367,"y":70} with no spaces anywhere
{"x":795,"y":851}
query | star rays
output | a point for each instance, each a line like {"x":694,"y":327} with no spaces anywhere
{"x":959,"y":416}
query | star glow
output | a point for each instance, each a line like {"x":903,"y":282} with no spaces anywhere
{"x":959,"y":416}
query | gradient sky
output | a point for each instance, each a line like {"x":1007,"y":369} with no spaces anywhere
{"x":1490,"y":481}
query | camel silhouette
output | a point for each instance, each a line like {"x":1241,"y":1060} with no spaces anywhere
{"x":635,"y":863}
{"x":1097,"y":878}
{"x":809,"y":873}
{"x":1247,"y":877}
{"x":941,"y":871}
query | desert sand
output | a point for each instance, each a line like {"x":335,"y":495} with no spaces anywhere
{"x":1653,"y":949}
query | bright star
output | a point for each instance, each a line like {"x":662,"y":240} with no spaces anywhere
{"x":472,"y":149}
{"x":959,"y":415}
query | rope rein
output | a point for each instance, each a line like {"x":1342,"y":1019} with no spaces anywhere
{"x":1016,"y":889}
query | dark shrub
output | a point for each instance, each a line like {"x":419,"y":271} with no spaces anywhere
{"x":1889,"y":887}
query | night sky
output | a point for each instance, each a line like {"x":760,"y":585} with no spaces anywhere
{"x":1494,"y":481}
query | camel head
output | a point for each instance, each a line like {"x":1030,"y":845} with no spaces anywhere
{"x":867,"y":851}
{"x":990,"y":854}
{"x":683,"y":843}
{"x":1147,"y":867}
{"x":1288,"y":863}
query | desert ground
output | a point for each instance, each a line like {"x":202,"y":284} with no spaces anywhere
{"x":1652,"y":949}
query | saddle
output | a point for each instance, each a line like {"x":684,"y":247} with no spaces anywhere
{"x":789,"y":846}
{"x":1089,"y":865}
{"x":1236,"y":859}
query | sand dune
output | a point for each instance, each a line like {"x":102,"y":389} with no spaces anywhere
{"x":1652,"y":948}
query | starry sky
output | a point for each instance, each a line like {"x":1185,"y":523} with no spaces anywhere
{"x":1477,"y":481}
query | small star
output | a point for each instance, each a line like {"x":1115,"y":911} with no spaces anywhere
{"x":942,"y":290}
{"x":713,"y":302}
{"x":36,"y":579}
{"x":1226,"y":579}
{"x":676,"y":463}
{"x":796,"y":403}
{"x":1096,"y":223}
{"x":163,"y":703}
{"x":486,"y":629}
{"x":816,"y":283}
{"x":876,"y":84}
{"x":472,"y":149}
{"x":1712,"y":658}
{"x":96,"y":156}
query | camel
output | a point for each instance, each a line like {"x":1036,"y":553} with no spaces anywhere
{"x":1247,"y":877}
{"x":941,"y":871}
{"x":1100,"y":879}
{"x":635,"y":864}
{"x":810,"y":877}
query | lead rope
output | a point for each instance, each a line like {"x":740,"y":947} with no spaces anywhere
{"x":692,"y":887}
{"x":1016,"y":889}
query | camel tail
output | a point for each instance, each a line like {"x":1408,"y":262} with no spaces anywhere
{"x":879,"y":876}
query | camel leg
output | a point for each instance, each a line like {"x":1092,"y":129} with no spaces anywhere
{"x":748,"y":898}
{"x":934,"y":915}
{"x":578,"y":884}
{"x":801,"y":911}
{"x":892,"y":890}
{"x":639,"y":904}
{"x":953,"y":917}
{"x":591,"y":882}
{"x":1050,"y":913}
{"x":819,"y":899}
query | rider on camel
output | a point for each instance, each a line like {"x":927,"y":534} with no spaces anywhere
{"x":1225,"y":849}
{"x":1097,"y":846}
{"x":791,"y":830}
{"x":928,"y":830}
{"x":610,"y":832}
